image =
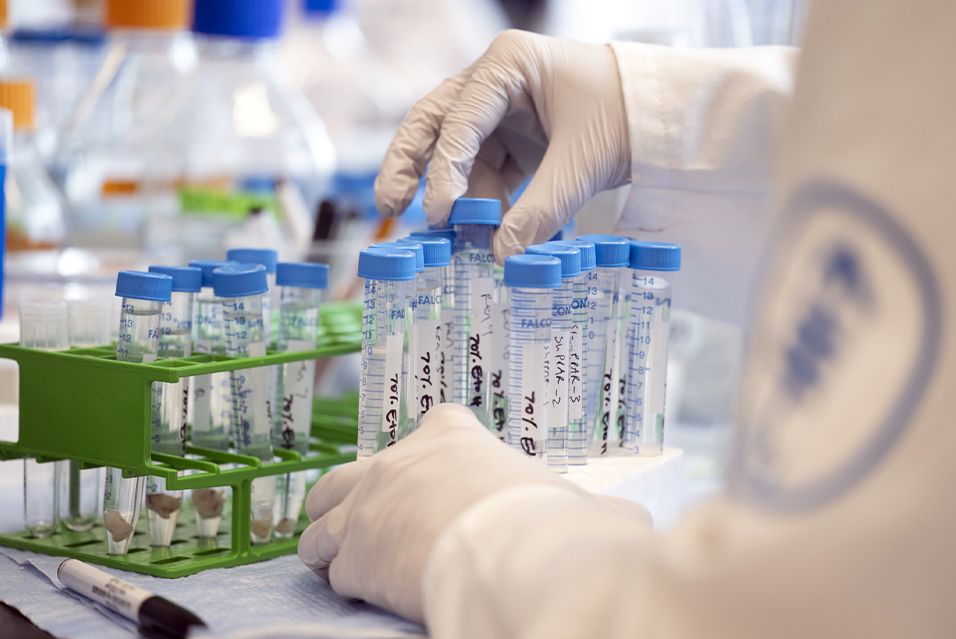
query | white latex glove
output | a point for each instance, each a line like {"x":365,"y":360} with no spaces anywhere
{"x":530,"y":104}
{"x":376,"y":521}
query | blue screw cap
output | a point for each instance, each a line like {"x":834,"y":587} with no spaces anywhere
{"x":239,"y":280}
{"x":437,"y":250}
{"x":266,"y":256}
{"x":186,"y":279}
{"x":406,"y":245}
{"x":654,"y":256}
{"x":475,"y":210}
{"x":253,"y":19}
{"x":302,"y":274}
{"x":386,"y":264}
{"x":586,"y":247}
{"x":533,"y":271}
{"x":153,"y":287}
{"x":446,"y":232}
{"x":610,"y":251}
{"x":207,"y":267}
{"x":569,"y":256}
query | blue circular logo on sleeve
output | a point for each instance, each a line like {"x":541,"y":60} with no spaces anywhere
{"x":843,"y":346}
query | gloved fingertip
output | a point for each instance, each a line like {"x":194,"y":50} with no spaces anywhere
{"x":308,"y":554}
{"x":320,"y":541}
{"x":333,"y":487}
{"x":505,"y":245}
{"x":443,"y":414}
{"x":437,"y":205}
{"x":391,"y":199}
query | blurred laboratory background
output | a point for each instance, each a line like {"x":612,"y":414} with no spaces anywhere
{"x":163,"y":131}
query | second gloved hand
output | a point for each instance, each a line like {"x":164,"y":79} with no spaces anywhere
{"x":531,"y":104}
{"x":376,"y":521}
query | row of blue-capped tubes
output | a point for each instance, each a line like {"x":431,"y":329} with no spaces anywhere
{"x":587,"y":358}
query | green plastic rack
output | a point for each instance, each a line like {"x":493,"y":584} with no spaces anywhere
{"x":82,"y":404}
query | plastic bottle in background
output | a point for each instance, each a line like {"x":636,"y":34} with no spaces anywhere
{"x":653,"y":270}
{"x":34,"y":209}
{"x":301,"y":286}
{"x":113,"y":139}
{"x":355,"y":92}
{"x":63,"y":62}
{"x":279,"y":155}
{"x":143,"y":297}
{"x":530,"y":280}
{"x":474,"y":221}
{"x":43,"y":325}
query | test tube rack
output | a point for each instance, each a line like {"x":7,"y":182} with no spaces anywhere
{"x":83,"y":404}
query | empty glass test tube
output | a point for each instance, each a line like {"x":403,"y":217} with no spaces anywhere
{"x":143,"y":297}
{"x":565,"y":354}
{"x":241,"y":287}
{"x":654,"y":266}
{"x":89,"y":323}
{"x":43,"y":325}
{"x":474,"y":221}
{"x":427,"y":325}
{"x":210,"y":410}
{"x":530,"y":280}
{"x":301,"y":286}
{"x":577,"y":368}
{"x":171,"y":401}
{"x":389,"y":276}
{"x":610,"y":254}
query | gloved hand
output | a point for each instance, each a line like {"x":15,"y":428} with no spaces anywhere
{"x":530,"y":104}
{"x":375,"y":521}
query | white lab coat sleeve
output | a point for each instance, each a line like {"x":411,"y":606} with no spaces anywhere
{"x":837,"y":520}
{"x":705,"y":128}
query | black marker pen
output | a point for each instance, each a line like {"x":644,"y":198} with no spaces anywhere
{"x":157,"y":617}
